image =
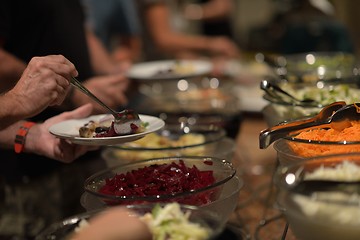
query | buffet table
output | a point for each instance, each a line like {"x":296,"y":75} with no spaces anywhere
{"x":256,"y":216}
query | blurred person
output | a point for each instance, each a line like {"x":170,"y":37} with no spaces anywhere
{"x":116,"y":24}
{"x":58,"y":28}
{"x":213,"y":16}
{"x":39,"y":28}
{"x":164,"y":41}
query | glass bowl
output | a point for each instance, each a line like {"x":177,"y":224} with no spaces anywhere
{"x":187,"y":180}
{"x":280,"y":110}
{"x":293,"y":149}
{"x":224,"y":205}
{"x":192,"y":95}
{"x":311,"y":67}
{"x":173,"y":141}
{"x":321,"y":211}
{"x":64,"y":229}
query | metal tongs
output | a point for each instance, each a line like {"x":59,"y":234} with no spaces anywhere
{"x":273,"y":90}
{"x":118,"y":116}
{"x":336,"y":115}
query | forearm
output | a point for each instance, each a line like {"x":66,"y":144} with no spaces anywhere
{"x":175,"y":42}
{"x":11,"y":69}
{"x":216,"y":9}
{"x":9,"y":111}
{"x":100,"y":58}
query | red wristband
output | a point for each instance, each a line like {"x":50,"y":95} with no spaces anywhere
{"x":21,"y":136}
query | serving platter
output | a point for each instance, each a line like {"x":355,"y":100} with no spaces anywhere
{"x":69,"y":130}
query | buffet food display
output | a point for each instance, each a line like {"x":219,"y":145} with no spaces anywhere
{"x":321,"y":196}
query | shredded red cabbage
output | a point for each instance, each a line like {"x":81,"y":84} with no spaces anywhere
{"x":162,"y":179}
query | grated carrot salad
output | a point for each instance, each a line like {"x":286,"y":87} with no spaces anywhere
{"x":351,"y":133}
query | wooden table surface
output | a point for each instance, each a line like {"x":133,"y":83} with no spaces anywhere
{"x":257,"y":197}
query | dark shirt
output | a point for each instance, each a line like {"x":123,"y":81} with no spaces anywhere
{"x":43,"y":27}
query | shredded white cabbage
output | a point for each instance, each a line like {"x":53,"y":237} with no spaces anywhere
{"x":171,"y":223}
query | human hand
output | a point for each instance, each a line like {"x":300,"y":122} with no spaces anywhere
{"x":40,"y":141}
{"x":110,"y":89}
{"x":223,"y":46}
{"x":44,"y":82}
{"x":116,"y":223}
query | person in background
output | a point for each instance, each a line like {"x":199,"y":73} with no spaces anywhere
{"x":39,"y":28}
{"x":164,"y":41}
{"x":213,"y":16}
{"x":116,"y":24}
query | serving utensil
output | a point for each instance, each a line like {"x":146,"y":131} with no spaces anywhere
{"x":336,"y":114}
{"x":277,"y":92}
{"x":118,"y":116}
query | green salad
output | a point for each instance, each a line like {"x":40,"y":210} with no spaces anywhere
{"x":171,"y":223}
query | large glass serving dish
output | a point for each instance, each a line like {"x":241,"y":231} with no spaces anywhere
{"x":65,"y":229}
{"x":319,"y":141}
{"x":187,"y":180}
{"x":311,"y":67}
{"x":190,"y":95}
{"x":320,"y":197}
{"x":224,"y":205}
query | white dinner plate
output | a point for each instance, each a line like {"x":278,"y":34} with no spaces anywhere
{"x":189,"y":68}
{"x":69,"y":130}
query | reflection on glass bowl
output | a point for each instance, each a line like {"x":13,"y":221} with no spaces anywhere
{"x":314,"y":212}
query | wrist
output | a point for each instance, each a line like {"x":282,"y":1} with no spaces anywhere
{"x":21,"y":138}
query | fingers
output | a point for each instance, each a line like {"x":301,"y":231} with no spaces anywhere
{"x":67,"y":152}
{"x":56,"y":63}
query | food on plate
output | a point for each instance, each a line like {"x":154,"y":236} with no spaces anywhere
{"x":177,"y":68}
{"x":153,"y":141}
{"x":171,"y":223}
{"x":161,"y":179}
{"x":349,"y":134}
{"x":129,"y":123}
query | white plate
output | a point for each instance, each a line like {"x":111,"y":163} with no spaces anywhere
{"x":147,"y":70}
{"x":69,"y":130}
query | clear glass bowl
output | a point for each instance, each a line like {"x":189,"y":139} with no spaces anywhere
{"x":321,"y":213}
{"x":192,"y":95}
{"x":174,"y":141}
{"x":311,"y":67}
{"x":63,"y":230}
{"x":224,"y":205}
{"x":222,"y":171}
{"x":292,"y":149}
